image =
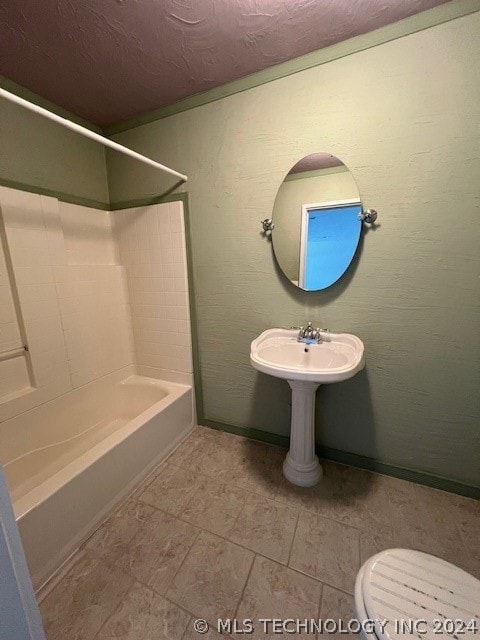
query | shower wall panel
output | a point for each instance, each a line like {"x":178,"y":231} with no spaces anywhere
{"x":72,"y":298}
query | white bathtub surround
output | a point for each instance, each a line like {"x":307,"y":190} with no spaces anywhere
{"x":97,"y":291}
{"x":151,"y":242}
{"x":35,"y":246}
{"x":9,"y":330}
{"x":14,"y":374}
{"x":96,"y":320}
{"x":92,"y":294}
{"x":72,"y":296}
{"x":70,"y":461}
{"x":88,"y":235}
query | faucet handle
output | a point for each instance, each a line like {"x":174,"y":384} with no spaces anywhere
{"x":301,"y":332}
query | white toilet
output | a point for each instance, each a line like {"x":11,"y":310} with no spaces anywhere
{"x":419,"y":595}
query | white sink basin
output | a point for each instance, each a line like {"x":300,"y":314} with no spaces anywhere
{"x":305,"y":366}
{"x":277,"y":352}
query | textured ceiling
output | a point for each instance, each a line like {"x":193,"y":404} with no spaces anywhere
{"x":111,"y":60}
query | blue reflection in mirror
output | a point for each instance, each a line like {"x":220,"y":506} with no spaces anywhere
{"x":330,"y":236}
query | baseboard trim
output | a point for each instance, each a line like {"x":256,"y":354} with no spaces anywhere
{"x":355,"y":460}
{"x":248,"y":432}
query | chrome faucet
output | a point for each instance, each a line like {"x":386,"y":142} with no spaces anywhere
{"x":308,"y":334}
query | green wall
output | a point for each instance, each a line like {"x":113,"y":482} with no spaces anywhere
{"x":403,"y":116}
{"x":39,"y":155}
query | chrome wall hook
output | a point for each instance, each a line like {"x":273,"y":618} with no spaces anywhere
{"x":267,"y":225}
{"x":369,"y":216}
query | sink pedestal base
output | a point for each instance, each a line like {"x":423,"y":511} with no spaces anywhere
{"x":301,"y":466}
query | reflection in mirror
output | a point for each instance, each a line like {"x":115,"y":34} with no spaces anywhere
{"x":317,"y":228}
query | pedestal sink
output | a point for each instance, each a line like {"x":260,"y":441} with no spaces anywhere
{"x":305,"y":366}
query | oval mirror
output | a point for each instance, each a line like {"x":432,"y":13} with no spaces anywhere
{"x":317,"y":224}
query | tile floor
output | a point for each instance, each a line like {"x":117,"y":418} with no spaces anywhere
{"x":217,"y":532}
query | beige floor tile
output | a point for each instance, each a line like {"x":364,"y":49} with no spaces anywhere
{"x":211,"y":634}
{"x":316,"y":499}
{"x":259,"y":468}
{"x":215,"y":507}
{"x":338,"y":606}
{"x":193,"y":447}
{"x":211,"y":580}
{"x":444,"y":502}
{"x":224,"y":484}
{"x":144,"y":615}
{"x":372,"y":500}
{"x":79,"y":605}
{"x":110,"y":539}
{"x":274,"y":591}
{"x":443,"y":507}
{"x":468,"y":519}
{"x":355,"y":497}
{"x":148,"y":480}
{"x":171,"y":490}
{"x":265,"y":526}
{"x":157,"y":551}
{"x":337,"y":496}
{"x":374,"y":541}
{"x":400,"y":509}
{"x":326,"y":550}
{"x":222,"y":457}
{"x":432,"y":523}
{"x":469,"y":531}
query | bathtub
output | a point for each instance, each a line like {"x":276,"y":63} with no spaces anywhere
{"x":71,"y":461}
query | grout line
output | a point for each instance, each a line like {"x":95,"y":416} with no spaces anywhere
{"x":319,"y":610}
{"x":189,"y":626}
{"x":156,"y":593}
{"x":169,"y":600}
{"x":115,"y":609}
{"x":235,"y":613}
{"x":293,"y":538}
{"x":180,"y":515}
{"x":194,"y":541}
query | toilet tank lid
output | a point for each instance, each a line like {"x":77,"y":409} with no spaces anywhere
{"x":402,"y":586}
